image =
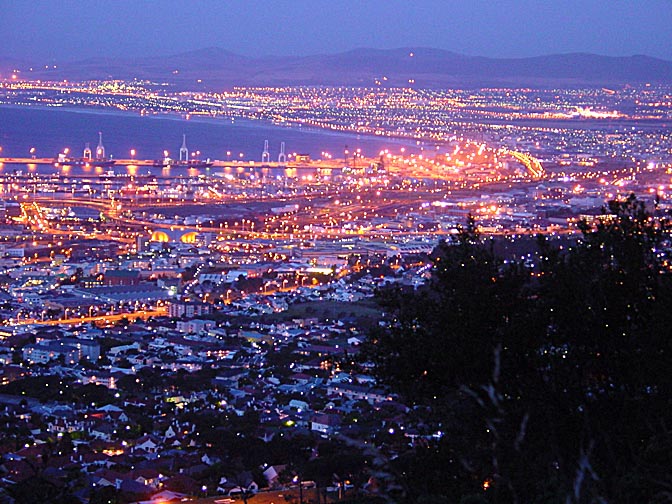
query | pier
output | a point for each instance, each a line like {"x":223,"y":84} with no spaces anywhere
{"x":327,"y":164}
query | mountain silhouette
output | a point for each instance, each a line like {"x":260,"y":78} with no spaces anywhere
{"x":213,"y":68}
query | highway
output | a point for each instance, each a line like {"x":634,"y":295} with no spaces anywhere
{"x":532,"y":164}
{"x":330,"y":215}
{"x":325,"y":213}
{"x":143,"y":314}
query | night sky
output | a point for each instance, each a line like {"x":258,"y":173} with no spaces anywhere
{"x":50,"y":30}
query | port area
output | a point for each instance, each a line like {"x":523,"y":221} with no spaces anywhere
{"x":335,"y":163}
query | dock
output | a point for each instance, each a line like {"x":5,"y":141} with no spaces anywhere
{"x":325,"y":164}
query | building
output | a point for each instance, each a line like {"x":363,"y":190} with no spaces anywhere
{"x":72,"y":350}
{"x":121,"y":277}
{"x":104,"y":378}
{"x":42,"y":353}
{"x":325,"y":423}
{"x":88,"y":349}
{"x":358,"y":393}
{"x":188,"y":309}
{"x":194,"y":326}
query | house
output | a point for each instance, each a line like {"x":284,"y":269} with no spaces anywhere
{"x":134,"y":487}
{"x":272,"y":474}
{"x":180,"y":481}
{"x":298,"y":405}
{"x":118,"y":417}
{"x":61,"y":425}
{"x":18,"y":470}
{"x":325,"y":423}
{"x":242,"y":482}
{"x":170,"y":432}
{"x":93,"y":459}
{"x":357,"y":393}
{"x":107,"y":477}
{"x":146,"y":443}
{"x":210,"y":459}
{"x":148,"y":477}
{"x":102,"y":430}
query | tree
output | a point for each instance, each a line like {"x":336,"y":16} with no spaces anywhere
{"x":607,"y":353}
{"x":336,"y":462}
{"x":65,"y":445}
{"x":520,"y":374}
{"x":39,"y":489}
{"x":104,"y":495}
{"x":457,"y":348}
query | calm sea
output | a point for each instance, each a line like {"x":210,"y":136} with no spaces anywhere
{"x":50,"y":130}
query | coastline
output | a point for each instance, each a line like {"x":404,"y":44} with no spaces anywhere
{"x":256,"y":124}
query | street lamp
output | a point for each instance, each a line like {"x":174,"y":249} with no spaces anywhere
{"x":133,"y":154}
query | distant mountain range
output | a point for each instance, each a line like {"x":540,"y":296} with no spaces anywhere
{"x":420,"y":67}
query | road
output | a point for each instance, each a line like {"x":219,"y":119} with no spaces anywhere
{"x":273,"y":497}
{"x":143,"y":314}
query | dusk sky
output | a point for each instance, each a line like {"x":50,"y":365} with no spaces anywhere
{"x":72,"y":29}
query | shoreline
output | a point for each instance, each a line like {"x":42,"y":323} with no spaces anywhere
{"x":234,"y":121}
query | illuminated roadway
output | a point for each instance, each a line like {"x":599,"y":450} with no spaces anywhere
{"x":143,"y":314}
{"x":532,"y":164}
{"x":331,"y":216}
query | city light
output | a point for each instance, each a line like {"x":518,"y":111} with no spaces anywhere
{"x":191,"y":302}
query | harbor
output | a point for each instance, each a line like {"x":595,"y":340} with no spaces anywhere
{"x":330,"y":163}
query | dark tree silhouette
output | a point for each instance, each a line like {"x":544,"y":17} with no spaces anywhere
{"x":544,"y":385}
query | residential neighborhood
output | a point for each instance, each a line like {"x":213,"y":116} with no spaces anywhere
{"x":222,"y":392}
